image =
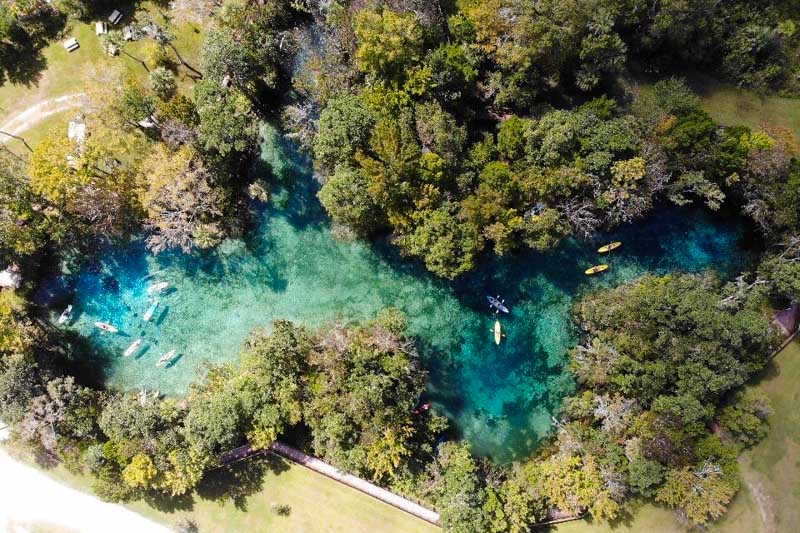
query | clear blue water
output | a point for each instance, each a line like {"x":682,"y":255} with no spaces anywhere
{"x":500,"y":398}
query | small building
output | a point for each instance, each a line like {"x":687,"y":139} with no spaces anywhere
{"x":115,"y":17}
{"x":76,"y":130}
{"x":101,"y":28}
{"x":10,"y":278}
{"x":71,"y":44}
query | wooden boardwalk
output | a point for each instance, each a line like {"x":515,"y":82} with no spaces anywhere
{"x":319,"y":466}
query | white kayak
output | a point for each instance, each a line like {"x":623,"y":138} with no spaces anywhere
{"x":105,"y":326}
{"x":155,"y":288}
{"x":150,"y":310}
{"x":130,"y":350}
{"x":498,"y":332}
{"x":65,"y":315}
{"x":166,"y":358}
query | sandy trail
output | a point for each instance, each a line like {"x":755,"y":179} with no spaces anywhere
{"x":26,"y":119}
{"x":28,"y":497}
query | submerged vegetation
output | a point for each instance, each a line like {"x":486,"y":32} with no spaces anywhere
{"x":457,"y":129}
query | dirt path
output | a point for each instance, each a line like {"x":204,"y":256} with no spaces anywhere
{"x":761,"y":497}
{"x":26,"y":119}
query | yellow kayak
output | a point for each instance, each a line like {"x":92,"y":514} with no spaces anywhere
{"x":595,"y":269}
{"x":609,"y":247}
{"x":498,"y":332}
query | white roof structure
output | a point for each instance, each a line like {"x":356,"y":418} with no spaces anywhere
{"x":76,"y":130}
{"x":115,"y":17}
{"x":101,"y":28}
{"x":71,"y":44}
{"x":10,"y":278}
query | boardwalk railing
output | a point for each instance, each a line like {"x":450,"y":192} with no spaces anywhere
{"x":319,"y":466}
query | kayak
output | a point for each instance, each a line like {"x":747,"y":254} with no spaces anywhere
{"x":105,"y":326}
{"x":65,"y":315}
{"x":166,"y":358}
{"x":155,"y":288}
{"x":609,"y":247}
{"x":150,"y":310}
{"x":132,"y":348}
{"x":498,"y":332}
{"x":595,"y":269}
{"x":497,"y":303}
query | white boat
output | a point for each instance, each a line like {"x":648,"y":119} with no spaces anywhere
{"x":155,"y":288}
{"x":498,"y":332}
{"x":166,"y":358}
{"x":130,"y":350}
{"x":497,"y":304}
{"x":65,"y":315}
{"x":150,"y":310}
{"x":105,"y":326}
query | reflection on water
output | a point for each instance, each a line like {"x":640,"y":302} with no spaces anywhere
{"x":500,"y":397}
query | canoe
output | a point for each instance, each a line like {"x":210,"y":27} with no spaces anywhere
{"x":609,"y":247}
{"x":498,"y":332}
{"x":595,"y":269}
{"x":497,"y":304}
{"x":150,"y":310}
{"x":166,"y":358}
{"x":132,"y":348}
{"x":105,"y":326}
{"x":65,"y":315}
{"x":157,"y":287}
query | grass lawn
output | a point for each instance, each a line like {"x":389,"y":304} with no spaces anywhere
{"x":244,"y":498}
{"x":771,"y":469}
{"x":731,"y":106}
{"x":64,"y":70}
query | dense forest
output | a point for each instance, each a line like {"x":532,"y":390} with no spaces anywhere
{"x":455,"y":130}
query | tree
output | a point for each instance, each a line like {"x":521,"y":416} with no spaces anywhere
{"x":227,"y":121}
{"x":271,"y":383}
{"x":184,"y":209}
{"x":344,"y":128}
{"x":162,"y":82}
{"x":66,"y":413}
{"x":745,"y":418}
{"x":388,"y":42}
{"x":345,"y":196}
{"x":456,"y":489}
{"x":25,"y":226}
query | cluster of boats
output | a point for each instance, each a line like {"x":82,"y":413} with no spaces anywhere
{"x":152,"y":290}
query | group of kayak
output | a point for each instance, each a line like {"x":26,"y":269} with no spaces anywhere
{"x":603,"y":250}
{"x":152,"y":290}
{"x":499,"y":305}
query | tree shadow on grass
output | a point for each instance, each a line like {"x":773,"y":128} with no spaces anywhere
{"x":170,"y":504}
{"x":239,"y":481}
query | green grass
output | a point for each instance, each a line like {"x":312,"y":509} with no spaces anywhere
{"x":64,"y":70}
{"x":316,"y":503}
{"x":731,"y":106}
{"x":772,"y":467}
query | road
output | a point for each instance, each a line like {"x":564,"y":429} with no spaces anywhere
{"x":29,"y":497}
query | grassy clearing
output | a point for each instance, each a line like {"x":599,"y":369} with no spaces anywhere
{"x":731,"y":106}
{"x":770,"y":500}
{"x":245,"y":498}
{"x":64,"y":70}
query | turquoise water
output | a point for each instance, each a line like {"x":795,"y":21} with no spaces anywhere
{"x":500,"y":398}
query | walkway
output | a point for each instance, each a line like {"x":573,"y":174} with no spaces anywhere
{"x":29,"y":498}
{"x":325,"y":469}
{"x":27,"y":118}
